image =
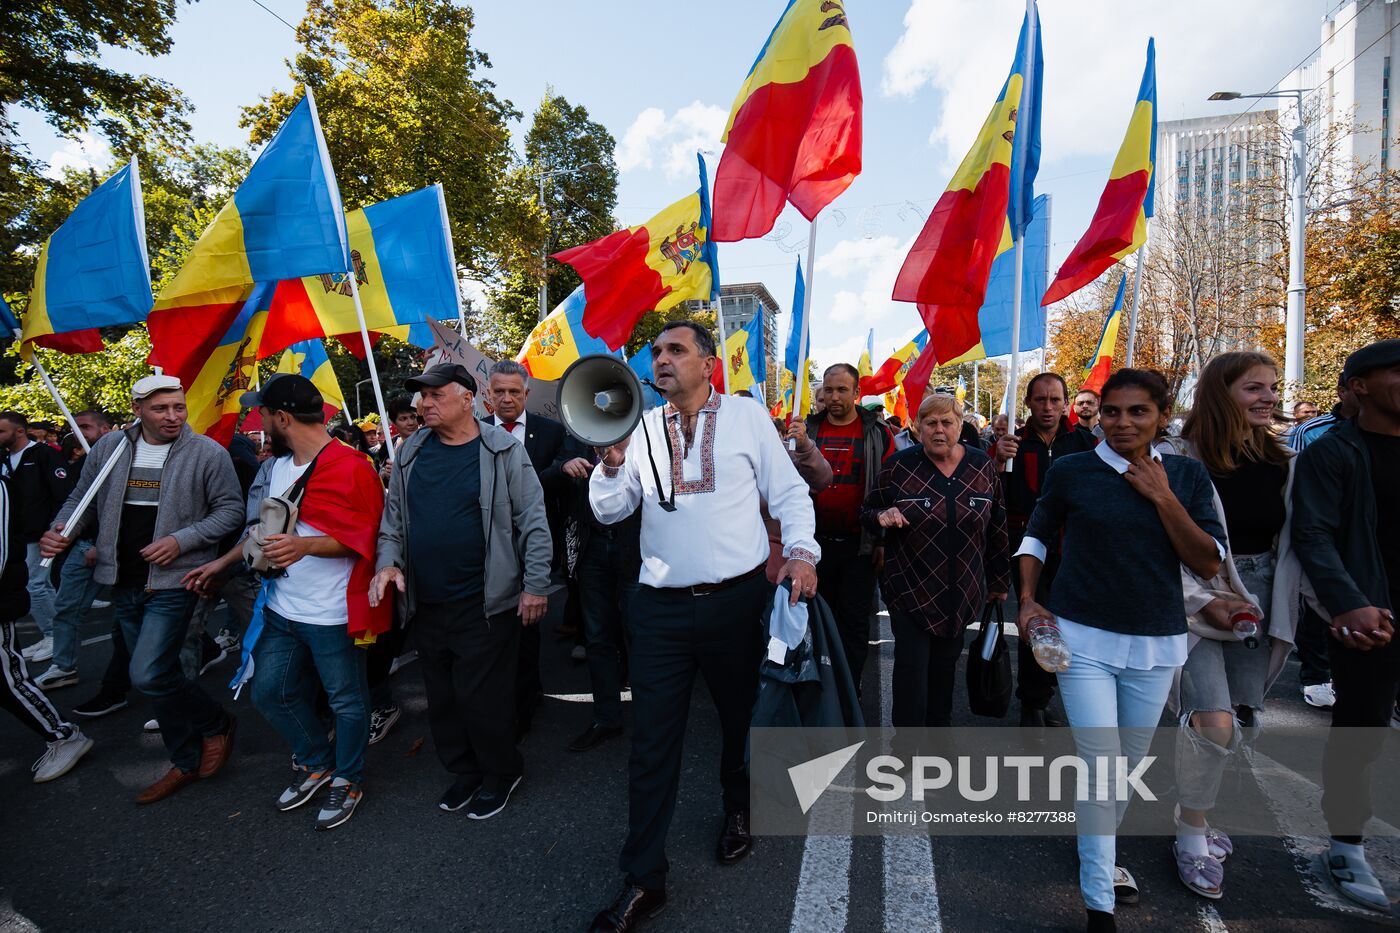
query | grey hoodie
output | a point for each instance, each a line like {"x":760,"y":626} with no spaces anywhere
{"x":512,"y":514}
{"x":200,"y":503}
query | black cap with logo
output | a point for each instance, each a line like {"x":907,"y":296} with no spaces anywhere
{"x":296,"y":395}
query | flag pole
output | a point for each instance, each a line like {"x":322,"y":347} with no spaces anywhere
{"x":723,"y":344}
{"x":369,"y":358}
{"x":53,"y":393}
{"x":451,"y":262}
{"x":1137,"y":294}
{"x":806,"y":343}
{"x":1018,"y":144}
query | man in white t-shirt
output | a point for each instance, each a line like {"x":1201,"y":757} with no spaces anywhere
{"x":315,"y":600}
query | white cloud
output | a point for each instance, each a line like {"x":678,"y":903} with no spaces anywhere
{"x":1093,"y":61}
{"x":670,"y":142}
{"x":868,"y":268}
{"x":82,"y":153}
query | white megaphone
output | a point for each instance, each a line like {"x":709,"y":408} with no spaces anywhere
{"x":600,"y":400}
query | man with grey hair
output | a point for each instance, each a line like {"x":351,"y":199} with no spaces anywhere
{"x":465,"y":542}
{"x":554,"y":456}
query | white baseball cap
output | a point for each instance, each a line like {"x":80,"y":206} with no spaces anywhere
{"x":147,"y":386}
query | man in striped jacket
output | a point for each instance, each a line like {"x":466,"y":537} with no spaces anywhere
{"x":20,"y":695}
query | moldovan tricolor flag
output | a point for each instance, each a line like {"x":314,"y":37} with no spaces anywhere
{"x":986,"y":205}
{"x":92,"y":271}
{"x":1120,"y":223}
{"x":651,"y":267}
{"x":794,"y":133}
{"x":893,"y":370}
{"x":214,"y":380}
{"x":284,"y":222}
{"x":745,"y":358}
{"x":866,"y":364}
{"x":793,"y":381}
{"x":401,"y":251}
{"x":1102,"y":363}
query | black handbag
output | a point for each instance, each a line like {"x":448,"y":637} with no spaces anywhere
{"x":989,"y":668}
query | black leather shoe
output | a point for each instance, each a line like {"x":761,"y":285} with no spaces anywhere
{"x":592,"y":737}
{"x":1033,"y":718}
{"x":734,"y":840}
{"x":634,"y":905}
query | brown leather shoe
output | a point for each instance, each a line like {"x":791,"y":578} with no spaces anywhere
{"x":169,"y":783}
{"x":216,"y":749}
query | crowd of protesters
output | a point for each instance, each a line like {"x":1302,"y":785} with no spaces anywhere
{"x":340,"y":549}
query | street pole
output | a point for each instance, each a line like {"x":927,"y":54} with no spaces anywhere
{"x":1295,"y":320}
{"x":544,"y":257}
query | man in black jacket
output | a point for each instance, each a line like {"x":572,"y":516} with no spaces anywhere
{"x":1346,"y":533}
{"x":856,"y":443}
{"x":38,"y":480}
{"x":1030,"y":451}
{"x":554,"y":455}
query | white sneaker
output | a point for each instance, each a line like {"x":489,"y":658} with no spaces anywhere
{"x":1320,"y":695}
{"x":61,"y":757}
{"x":56,"y":677}
{"x":101,"y":604}
{"x":40,"y":651}
{"x":151,"y":726}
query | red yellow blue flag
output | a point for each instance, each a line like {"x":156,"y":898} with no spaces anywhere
{"x":1119,"y":225}
{"x":92,"y":271}
{"x":745,"y":357}
{"x":794,"y":132}
{"x":1101,"y":365}
{"x":650,"y":267}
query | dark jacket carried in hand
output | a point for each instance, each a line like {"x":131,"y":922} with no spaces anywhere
{"x":1023,"y":484}
{"x":813,"y":686}
{"x":38,"y":487}
{"x":1334,"y":522}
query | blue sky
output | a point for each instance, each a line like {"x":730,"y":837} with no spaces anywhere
{"x":662,"y":78}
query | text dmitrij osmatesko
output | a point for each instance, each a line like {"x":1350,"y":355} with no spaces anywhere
{"x":1113,"y":777}
{"x":916,"y":817}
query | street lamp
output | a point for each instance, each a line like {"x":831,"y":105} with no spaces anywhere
{"x":544,"y":249}
{"x":359,"y":409}
{"x":1296,"y":317}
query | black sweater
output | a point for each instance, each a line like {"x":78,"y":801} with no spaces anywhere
{"x":1119,"y":570}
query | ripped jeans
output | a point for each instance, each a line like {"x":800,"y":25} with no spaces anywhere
{"x":1221,"y":676}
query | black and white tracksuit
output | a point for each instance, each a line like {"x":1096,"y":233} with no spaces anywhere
{"x":19,"y":694}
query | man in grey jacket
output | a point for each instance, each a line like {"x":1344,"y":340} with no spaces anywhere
{"x":162,"y":511}
{"x":466,"y":542}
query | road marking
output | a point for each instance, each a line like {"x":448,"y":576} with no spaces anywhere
{"x":585,"y":697}
{"x":911,"y":888}
{"x":92,"y":641}
{"x":1210,"y":919}
{"x":1286,"y":791}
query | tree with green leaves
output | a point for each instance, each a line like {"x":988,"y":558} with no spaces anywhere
{"x":404,"y":103}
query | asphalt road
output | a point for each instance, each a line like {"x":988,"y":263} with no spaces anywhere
{"x":77,"y":854}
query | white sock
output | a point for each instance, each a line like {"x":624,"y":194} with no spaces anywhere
{"x":1191,"y":840}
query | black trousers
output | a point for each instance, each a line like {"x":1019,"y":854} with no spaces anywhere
{"x":20,"y":695}
{"x":846,"y":580}
{"x":924,"y":670}
{"x":1311,"y":641}
{"x":675,"y":634}
{"x":469,"y":663}
{"x":379,"y":658}
{"x":1366,"y":683}
{"x":528,"y":686}
{"x":1035,"y":686}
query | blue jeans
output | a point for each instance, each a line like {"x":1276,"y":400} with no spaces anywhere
{"x":153,"y":624}
{"x":41,"y":592}
{"x":290,"y":661}
{"x":606,"y":582}
{"x":1097,"y":698}
{"x":76,"y":591}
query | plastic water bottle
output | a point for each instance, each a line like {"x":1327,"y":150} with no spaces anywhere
{"x":1246,"y":626}
{"x":1049,"y":648}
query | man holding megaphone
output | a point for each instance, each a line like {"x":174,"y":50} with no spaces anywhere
{"x":698,"y":466}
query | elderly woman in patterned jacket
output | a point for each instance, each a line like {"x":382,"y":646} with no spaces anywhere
{"x":940,"y":509}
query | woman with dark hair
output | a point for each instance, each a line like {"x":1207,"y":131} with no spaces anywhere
{"x":1222,"y":685}
{"x":351,"y":435}
{"x":1119,"y":609}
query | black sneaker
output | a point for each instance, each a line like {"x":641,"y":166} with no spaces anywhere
{"x":302,"y":788}
{"x":487,"y":803}
{"x":460,"y":793}
{"x":339,"y":805}
{"x":106,"y":701}
{"x":381,"y":721}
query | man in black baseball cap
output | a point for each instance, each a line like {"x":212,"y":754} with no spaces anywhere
{"x":289,"y":392}
{"x":441,"y":375}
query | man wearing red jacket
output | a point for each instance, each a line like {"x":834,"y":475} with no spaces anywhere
{"x":313,"y":637}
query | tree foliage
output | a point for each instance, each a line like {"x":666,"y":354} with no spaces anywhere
{"x":404,"y":103}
